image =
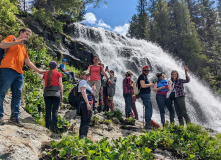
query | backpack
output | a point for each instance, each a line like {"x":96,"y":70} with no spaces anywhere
{"x":135,"y":87}
{"x":111,"y":89}
{"x":74,"y":97}
{"x":3,"y":52}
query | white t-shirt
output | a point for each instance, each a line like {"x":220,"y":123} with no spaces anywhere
{"x":83,"y":83}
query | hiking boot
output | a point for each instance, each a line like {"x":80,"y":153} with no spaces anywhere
{"x":2,"y":122}
{"x":75,"y":81}
{"x":16,"y":122}
{"x":148,"y":127}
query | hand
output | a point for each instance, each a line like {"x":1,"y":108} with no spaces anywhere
{"x":109,"y":81}
{"x":62,"y":98}
{"x":68,"y":70}
{"x":88,"y":107}
{"x":151,"y":84}
{"x":41,"y":71}
{"x":186,"y":69}
{"x":21,"y":41}
{"x":167,"y":86}
{"x":106,"y":70}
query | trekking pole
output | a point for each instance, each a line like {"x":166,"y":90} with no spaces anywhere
{"x":143,"y":115}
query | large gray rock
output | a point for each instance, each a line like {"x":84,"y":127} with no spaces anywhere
{"x":21,"y":143}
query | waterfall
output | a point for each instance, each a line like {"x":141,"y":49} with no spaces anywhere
{"x":121,"y":54}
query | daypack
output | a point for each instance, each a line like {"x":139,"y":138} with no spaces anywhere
{"x":135,"y":87}
{"x":74,"y":97}
{"x":3,"y":52}
{"x":111,"y":88}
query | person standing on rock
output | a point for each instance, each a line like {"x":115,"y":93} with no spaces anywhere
{"x":86,"y":103}
{"x":11,"y":73}
{"x":144,"y":85}
{"x":128,"y":92}
{"x":67,"y":72}
{"x":178,"y":95}
{"x":111,"y":90}
{"x":95,"y":80}
{"x":161,"y":87}
{"x":53,"y":94}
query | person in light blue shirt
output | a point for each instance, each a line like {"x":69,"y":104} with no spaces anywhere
{"x":66,"y":71}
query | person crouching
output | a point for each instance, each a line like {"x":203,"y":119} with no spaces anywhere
{"x":86,"y":103}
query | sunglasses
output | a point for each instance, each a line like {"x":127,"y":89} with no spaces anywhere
{"x":146,"y":70}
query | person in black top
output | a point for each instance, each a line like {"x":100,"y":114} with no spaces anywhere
{"x":144,"y":85}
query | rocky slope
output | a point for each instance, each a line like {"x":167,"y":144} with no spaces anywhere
{"x":26,"y":142}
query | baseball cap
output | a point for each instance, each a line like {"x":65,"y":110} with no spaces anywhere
{"x":64,"y":60}
{"x":86,"y":72}
{"x":159,"y":74}
{"x":146,"y":67}
{"x":53,"y":64}
{"x":112,"y":71}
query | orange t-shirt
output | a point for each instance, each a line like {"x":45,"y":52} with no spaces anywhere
{"x":15,"y":56}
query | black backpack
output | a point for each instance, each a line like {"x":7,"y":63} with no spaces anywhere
{"x":74,"y":97}
{"x":3,"y":52}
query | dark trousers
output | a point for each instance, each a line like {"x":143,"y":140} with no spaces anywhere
{"x":163,"y":102}
{"x":85,"y":120}
{"x":181,"y":111}
{"x":128,"y":104}
{"x":52,"y":105}
{"x":148,"y":108}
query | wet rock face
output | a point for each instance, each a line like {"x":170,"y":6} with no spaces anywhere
{"x":61,"y":45}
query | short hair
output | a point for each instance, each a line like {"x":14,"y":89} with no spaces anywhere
{"x":24,"y":30}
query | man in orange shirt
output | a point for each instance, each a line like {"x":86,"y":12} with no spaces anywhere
{"x":11,"y":73}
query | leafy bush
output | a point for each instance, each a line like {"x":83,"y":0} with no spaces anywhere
{"x":192,"y":142}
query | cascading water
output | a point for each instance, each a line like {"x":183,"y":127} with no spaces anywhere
{"x":122,"y":54}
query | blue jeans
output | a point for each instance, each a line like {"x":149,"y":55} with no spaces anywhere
{"x":148,"y":107}
{"x":11,"y":78}
{"x":162,"y":101}
{"x":128,"y":104}
{"x":52,"y":104}
{"x":69,"y":75}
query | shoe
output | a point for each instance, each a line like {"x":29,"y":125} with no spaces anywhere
{"x":75,"y":81}
{"x":95,"y":110}
{"x":2,"y":122}
{"x":148,"y":127}
{"x":16,"y":122}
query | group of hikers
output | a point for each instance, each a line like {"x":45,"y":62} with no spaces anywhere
{"x":96,"y":86}
{"x":167,"y":92}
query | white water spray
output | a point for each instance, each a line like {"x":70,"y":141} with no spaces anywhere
{"x":122,"y":54}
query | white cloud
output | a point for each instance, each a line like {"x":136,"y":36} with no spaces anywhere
{"x":89,"y":18}
{"x":122,"y":29}
{"x":102,"y":24}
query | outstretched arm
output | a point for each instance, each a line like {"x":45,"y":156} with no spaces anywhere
{"x":187,"y":80}
{"x":33,"y":67}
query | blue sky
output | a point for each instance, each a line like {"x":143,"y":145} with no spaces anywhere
{"x":114,"y":16}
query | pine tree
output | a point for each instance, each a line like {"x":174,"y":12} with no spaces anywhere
{"x":139,"y":24}
{"x":133,"y":29}
{"x":161,"y":23}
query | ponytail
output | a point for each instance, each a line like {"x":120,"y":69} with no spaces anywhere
{"x":49,"y":78}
